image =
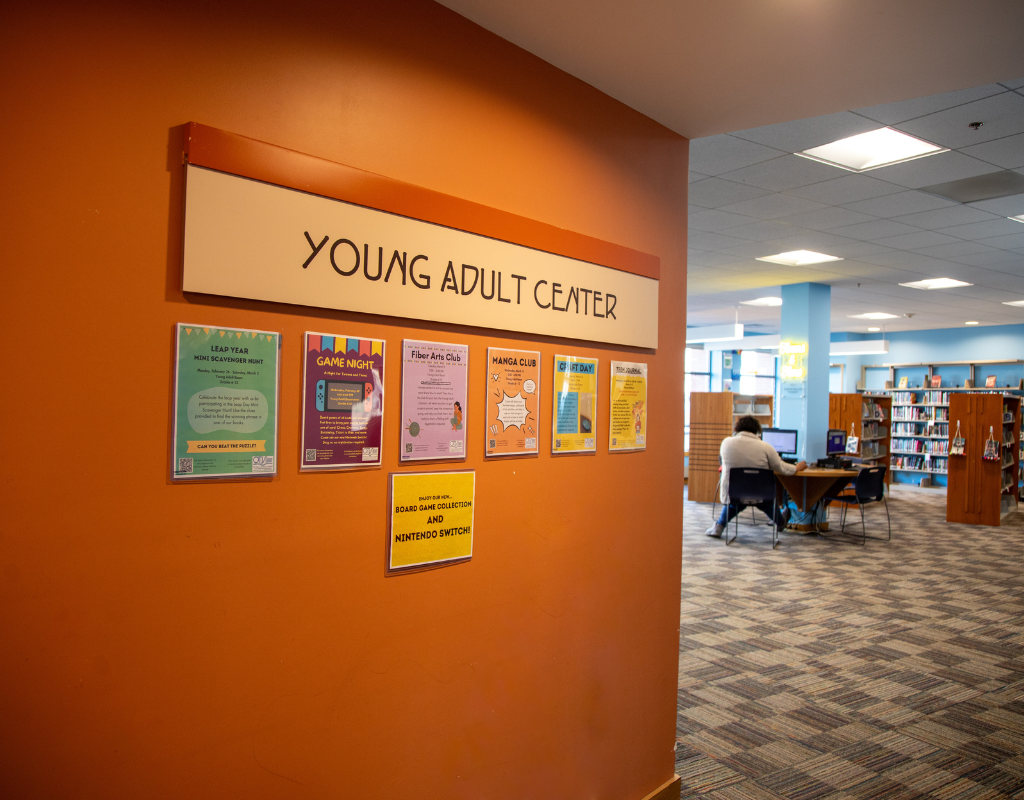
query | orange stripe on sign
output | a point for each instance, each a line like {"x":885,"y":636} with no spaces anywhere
{"x":249,"y":158}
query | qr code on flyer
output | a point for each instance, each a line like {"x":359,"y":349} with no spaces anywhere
{"x":184,"y":466}
{"x":310,"y":454}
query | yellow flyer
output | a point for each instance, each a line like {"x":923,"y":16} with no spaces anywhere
{"x":513,"y":402}
{"x":431,"y":517}
{"x":627,"y":411}
{"x":574,"y":418}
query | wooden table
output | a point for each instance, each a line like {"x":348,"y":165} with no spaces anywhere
{"x":808,"y":487}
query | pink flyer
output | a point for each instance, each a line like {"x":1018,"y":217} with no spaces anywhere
{"x":434,"y":380}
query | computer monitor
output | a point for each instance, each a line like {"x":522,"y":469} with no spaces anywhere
{"x":783,"y":441}
{"x":836,"y":444}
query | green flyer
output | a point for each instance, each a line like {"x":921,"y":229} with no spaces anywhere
{"x":225,"y":402}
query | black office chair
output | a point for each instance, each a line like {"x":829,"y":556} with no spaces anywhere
{"x":868,"y":487}
{"x":749,"y":486}
{"x":718,"y":493}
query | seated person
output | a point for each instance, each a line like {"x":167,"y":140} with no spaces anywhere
{"x":745,"y":449}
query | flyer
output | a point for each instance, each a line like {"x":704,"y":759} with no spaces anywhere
{"x":627,"y":408}
{"x":434,"y":380}
{"x":513,"y":402}
{"x":225,"y":402}
{"x":431,"y":518}
{"x":342,"y":402}
{"x":574,"y":417}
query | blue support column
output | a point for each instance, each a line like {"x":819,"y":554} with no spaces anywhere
{"x":803,"y":405}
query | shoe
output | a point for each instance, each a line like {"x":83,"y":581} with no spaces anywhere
{"x":715,"y":531}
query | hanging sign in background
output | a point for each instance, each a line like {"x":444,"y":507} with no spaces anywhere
{"x":249,"y":239}
{"x":431,"y":517}
{"x":225,"y":402}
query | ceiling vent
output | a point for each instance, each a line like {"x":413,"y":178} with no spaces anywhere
{"x":981,"y":187}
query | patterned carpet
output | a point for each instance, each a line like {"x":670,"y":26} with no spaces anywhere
{"x":829,"y":670}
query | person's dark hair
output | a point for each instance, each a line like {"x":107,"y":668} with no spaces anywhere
{"x":748,"y":424}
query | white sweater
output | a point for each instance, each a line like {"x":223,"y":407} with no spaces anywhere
{"x":746,"y":450}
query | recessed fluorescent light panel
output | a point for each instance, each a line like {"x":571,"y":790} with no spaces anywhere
{"x":1018,"y":303}
{"x":799,"y":258}
{"x":762,"y":301}
{"x":871,"y":150}
{"x":936,"y":283}
{"x":873,"y":315}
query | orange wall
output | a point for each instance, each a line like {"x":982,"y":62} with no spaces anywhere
{"x":242,"y":639}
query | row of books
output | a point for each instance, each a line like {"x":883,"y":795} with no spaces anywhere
{"x":920,"y":413}
{"x":913,"y":429}
{"x":938,"y":446}
{"x":920,"y":464}
{"x":872,"y":430}
{"x":936,"y":398}
{"x":873,"y":411}
{"x":872,"y":449}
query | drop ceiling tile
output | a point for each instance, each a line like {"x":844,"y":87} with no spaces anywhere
{"x":854,"y":249}
{"x":1007,"y":152}
{"x":915,"y":241}
{"x":876,"y":229}
{"x":762,"y":231}
{"x":750,"y":250}
{"x":846,"y":189}
{"x":1011,"y":206}
{"x":784,"y":173}
{"x":706,"y":240}
{"x":956,"y":250}
{"x":772,"y":206}
{"x":1017,"y":84}
{"x":714,"y":155}
{"x":994,"y":226}
{"x":945,"y":217}
{"x":803,"y":134}
{"x":892,"y":113}
{"x":1003,"y":115}
{"x":927,"y":171}
{"x":993,"y":259}
{"x":819,"y":241}
{"x":826,"y":218}
{"x":901,"y":258}
{"x":902,"y":202}
{"x":1011,"y":242}
{"x":710,"y":260}
{"x":715,"y":220}
{"x":714,"y":192}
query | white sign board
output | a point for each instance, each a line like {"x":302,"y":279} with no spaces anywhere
{"x":244,"y":238}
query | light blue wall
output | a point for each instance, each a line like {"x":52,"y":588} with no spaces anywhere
{"x":942,"y":344}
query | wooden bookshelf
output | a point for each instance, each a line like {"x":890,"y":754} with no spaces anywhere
{"x":848,"y":412}
{"x":712,"y":415}
{"x":984,"y":492}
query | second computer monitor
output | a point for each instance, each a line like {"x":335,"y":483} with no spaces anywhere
{"x":784,"y":441}
{"x":836,"y":442}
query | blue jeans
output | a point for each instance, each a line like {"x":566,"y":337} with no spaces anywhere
{"x":730,"y":511}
